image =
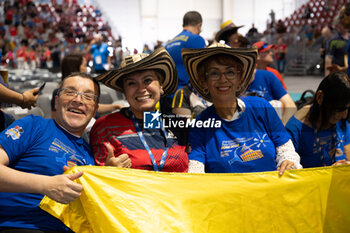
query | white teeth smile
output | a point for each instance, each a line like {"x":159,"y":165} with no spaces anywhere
{"x":223,"y":88}
{"x":76,"y":111}
{"x":143,"y":97}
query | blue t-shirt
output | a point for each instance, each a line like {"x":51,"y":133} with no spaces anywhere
{"x":266,"y":85}
{"x":185,"y":39}
{"x":312,"y":145}
{"x":100,"y":55}
{"x":247,"y":144}
{"x":40,"y":146}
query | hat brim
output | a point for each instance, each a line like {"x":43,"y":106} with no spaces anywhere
{"x":193,"y":57}
{"x":159,"y":60}
{"x":266,"y":49}
{"x":220,"y":35}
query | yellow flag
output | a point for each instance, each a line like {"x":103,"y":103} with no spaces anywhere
{"x":128,"y":200}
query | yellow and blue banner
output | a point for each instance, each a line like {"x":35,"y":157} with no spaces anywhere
{"x":129,"y":200}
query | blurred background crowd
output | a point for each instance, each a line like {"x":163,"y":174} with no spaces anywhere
{"x":35,"y":35}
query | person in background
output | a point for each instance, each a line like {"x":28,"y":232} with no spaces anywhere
{"x":320,"y":131}
{"x":344,"y":16}
{"x":26,"y":99}
{"x":251,"y":137}
{"x":327,"y":34}
{"x":266,"y":85}
{"x":229,"y":33}
{"x":35,"y":151}
{"x":188,"y":38}
{"x":336,"y":60}
{"x":146,"y":49}
{"x":188,"y":103}
{"x":281,"y":51}
{"x":265,"y":58}
{"x":143,"y":78}
{"x":100,"y":54}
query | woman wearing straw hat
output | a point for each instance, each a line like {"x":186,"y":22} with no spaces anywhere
{"x":143,"y":78}
{"x":229,"y":33}
{"x":251,"y":138}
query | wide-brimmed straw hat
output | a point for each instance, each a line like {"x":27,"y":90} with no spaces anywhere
{"x":193,"y":57}
{"x":159,"y":60}
{"x":227,"y":28}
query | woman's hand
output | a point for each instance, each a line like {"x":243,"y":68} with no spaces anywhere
{"x":341,"y":162}
{"x":122,"y":160}
{"x":286,"y":165}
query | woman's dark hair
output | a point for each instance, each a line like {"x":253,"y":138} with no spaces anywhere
{"x":71,"y":63}
{"x":336,"y":96}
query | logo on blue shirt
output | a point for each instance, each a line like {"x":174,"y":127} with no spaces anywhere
{"x":151,"y":120}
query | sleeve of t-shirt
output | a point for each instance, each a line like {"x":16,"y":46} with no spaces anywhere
{"x":198,"y":42}
{"x":100,"y":134}
{"x":275,"y":127}
{"x":277,"y":90}
{"x":92,"y":48}
{"x":293,"y":129}
{"x":347,"y":134}
{"x":181,"y":99}
{"x":97,"y":143}
{"x":19,"y":136}
{"x":330,"y":48}
{"x":106,"y":52}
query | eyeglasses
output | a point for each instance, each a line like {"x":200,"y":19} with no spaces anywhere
{"x":87,"y":97}
{"x":229,"y":74}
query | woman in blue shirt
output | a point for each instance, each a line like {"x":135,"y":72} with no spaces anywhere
{"x":250,"y":136}
{"x":320,"y":132}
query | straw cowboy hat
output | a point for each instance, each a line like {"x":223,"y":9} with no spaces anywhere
{"x":193,"y":57}
{"x":159,"y":60}
{"x":226,"y":29}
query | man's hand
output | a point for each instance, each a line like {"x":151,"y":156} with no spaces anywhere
{"x":62,"y":188}
{"x":122,"y":160}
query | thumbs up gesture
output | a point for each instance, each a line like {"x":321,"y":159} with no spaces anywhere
{"x":122,"y":160}
{"x":62,"y":188}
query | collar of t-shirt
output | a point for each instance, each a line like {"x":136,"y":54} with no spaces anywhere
{"x":240,"y":109}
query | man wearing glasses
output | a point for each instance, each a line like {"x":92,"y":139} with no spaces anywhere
{"x":35,"y":151}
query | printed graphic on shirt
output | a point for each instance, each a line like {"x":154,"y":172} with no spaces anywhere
{"x":15,"y":132}
{"x":65,"y":154}
{"x":261,"y":91}
{"x":244,"y":149}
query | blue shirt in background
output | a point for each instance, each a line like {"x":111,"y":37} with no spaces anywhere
{"x":185,"y":39}
{"x":266,"y":85}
